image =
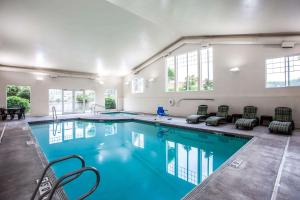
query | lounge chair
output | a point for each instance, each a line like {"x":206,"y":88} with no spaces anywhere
{"x":283,"y":122}
{"x":201,"y":115}
{"x":220,"y":117}
{"x":249,"y":119}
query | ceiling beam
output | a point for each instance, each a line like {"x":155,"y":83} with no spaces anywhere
{"x":252,"y":39}
{"x":47,"y":71}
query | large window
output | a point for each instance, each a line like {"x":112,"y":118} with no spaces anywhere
{"x":90,"y":100}
{"x":18,"y":96}
{"x":71,"y":101}
{"x":283,"y":72}
{"x":137,"y":85}
{"x":171,"y":73}
{"x":110,"y":96}
{"x":191,"y":71}
{"x":55,"y":100}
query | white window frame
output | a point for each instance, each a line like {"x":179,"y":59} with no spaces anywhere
{"x":73,"y":100}
{"x":286,"y":72}
{"x":140,"y":85}
{"x":199,"y":63}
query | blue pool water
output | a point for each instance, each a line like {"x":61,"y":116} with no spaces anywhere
{"x":136,"y":160}
{"x":120,"y":114}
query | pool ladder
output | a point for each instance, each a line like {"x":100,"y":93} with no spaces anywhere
{"x":54,"y":115}
{"x":94,"y":109}
{"x":65,"y":179}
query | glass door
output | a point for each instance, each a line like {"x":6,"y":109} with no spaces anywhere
{"x":80,"y":101}
{"x":110,"y":96}
{"x":55,"y":99}
{"x":68,"y":103}
{"x":90,"y":100}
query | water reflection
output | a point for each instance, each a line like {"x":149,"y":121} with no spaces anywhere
{"x":188,"y":163}
{"x":137,"y":139}
{"x":110,"y":129}
{"x":64,"y":131}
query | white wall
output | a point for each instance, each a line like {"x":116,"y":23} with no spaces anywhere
{"x":246,"y":87}
{"x":39,"y":89}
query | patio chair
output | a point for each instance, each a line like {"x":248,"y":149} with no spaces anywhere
{"x":200,"y":116}
{"x":161,"y":111}
{"x":11,"y":113}
{"x":221,"y":116}
{"x":283,"y":122}
{"x":249,"y":119}
{"x":21,"y":113}
{"x":3,"y":114}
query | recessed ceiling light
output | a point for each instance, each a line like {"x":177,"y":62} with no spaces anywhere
{"x":234,"y":69}
{"x":40,"y":78}
{"x":39,"y":58}
{"x":151,"y":79}
{"x":40,"y":73}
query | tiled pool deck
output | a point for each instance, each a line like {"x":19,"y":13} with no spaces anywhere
{"x":269,"y":168}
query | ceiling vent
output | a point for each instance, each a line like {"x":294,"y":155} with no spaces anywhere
{"x":287,"y":45}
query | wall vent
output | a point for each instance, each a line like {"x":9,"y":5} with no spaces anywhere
{"x":287,"y":45}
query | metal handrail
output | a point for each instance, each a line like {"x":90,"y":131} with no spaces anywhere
{"x":194,"y":99}
{"x":54,"y":115}
{"x":96,"y":105}
{"x":52,"y":163}
{"x":59,"y":183}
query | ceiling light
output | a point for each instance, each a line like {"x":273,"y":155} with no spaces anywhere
{"x":151,"y":79}
{"x":39,"y":59}
{"x":40,"y":78}
{"x":99,"y":80}
{"x":127,"y":83}
{"x":234,"y":69}
{"x":40,"y":73}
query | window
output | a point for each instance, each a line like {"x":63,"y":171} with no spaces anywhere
{"x":55,"y":99}
{"x":206,"y":69}
{"x":137,"y":85}
{"x":283,"y":72}
{"x":90,"y":99}
{"x":71,"y":101}
{"x":191,"y":71}
{"x":182,"y":72}
{"x":170,"y":62}
{"x":18,"y":96}
{"x":110,"y":97}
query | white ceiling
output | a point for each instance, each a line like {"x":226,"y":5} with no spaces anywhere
{"x":113,"y":36}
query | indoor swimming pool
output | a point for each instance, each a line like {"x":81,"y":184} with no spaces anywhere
{"x":136,"y":160}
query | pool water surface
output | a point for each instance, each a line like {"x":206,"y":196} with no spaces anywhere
{"x":136,"y":160}
{"x":120,"y":114}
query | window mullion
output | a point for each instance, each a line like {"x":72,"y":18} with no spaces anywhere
{"x":200,"y":70}
{"x":207,"y":57}
{"x":187,"y":73}
{"x":176,"y":73}
{"x":288,"y":70}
